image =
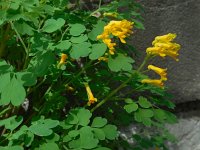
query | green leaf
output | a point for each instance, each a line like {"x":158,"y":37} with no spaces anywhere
{"x":4,"y":80}
{"x":99,"y":133}
{"x":11,"y":123}
{"x":52,"y":25}
{"x":75,"y":144}
{"x":143,"y":102}
{"x":67,"y":138}
{"x":102,"y":148}
{"x":80,"y":39}
{"x":128,"y":100}
{"x":77,"y":29}
{"x":13,"y":92}
{"x":144,"y":116}
{"x":52,"y":138}
{"x":80,"y":50}
{"x":49,"y":146}
{"x":98,"y":50}
{"x":72,"y":118}
{"x":84,"y":116}
{"x":73,"y":133}
{"x":26,"y":78}
{"x":147,"y":122}
{"x":23,"y":28}
{"x":28,"y":139}
{"x":11,"y":148}
{"x":170,"y":118}
{"x":159,"y":114}
{"x":43,"y":127}
{"x":110,"y":131}
{"x":99,"y":122}
{"x":40,"y":130}
{"x":146,"y":113}
{"x":97,"y":30}
{"x":120,"y":63}
{"x":64,"y":45}
{"x":138,"y":24}
{"x":131,"y":107}
{"x":4,"y":67}
{"x":87,"y":138}
{"x":39,"y":64}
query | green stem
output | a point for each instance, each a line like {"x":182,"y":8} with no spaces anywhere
{"x":23,"y":44}
{"x":121,"y":86}
{"x":82,"y":71}
{"x":64,"y":33}
{"x":97,"y":10}
{"x":4,"y":111}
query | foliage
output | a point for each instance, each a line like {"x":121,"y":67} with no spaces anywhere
{"x":64,"y":88}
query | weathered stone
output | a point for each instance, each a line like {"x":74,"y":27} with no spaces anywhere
{"x":187,"y":132}
{"x":181,"y":17}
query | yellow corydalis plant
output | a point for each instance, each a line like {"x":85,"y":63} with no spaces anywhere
{"x":120,"y":29}
{"x":163,"y":46}
{"x":91,"y":98}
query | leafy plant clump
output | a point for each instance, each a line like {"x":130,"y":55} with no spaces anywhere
{"x":67,"y":81}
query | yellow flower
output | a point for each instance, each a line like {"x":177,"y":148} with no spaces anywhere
{"x":160,"y":71}
{"x":163,"y":46}
{"x":63,"y":59}
{"x":155,"y":82}
{"x":120,"y":29}
{"x":91,"y":98}
{"x":164,"y":38}
{"x":104,"y":58}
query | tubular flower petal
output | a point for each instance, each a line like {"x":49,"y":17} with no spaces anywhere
{"x":160,"y":71}
{"x":91,"y":98}
{"x":63,"y":59}
{"x":155,"y":82}
{"x":163,"y":46}
{"x":164,"y":38}
{"x":120,"y":29}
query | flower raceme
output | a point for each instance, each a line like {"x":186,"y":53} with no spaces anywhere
{"x":160,"y":71}
{"x":91,"y":98}
{"x":158,"y":82}
{"x":164,"y":46}
{"x":120,"y":29}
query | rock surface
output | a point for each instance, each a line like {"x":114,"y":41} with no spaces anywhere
{"x":187,"y":132}
{"x":183,"y":18}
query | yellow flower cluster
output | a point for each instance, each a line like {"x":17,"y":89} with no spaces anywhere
{"x":120,"y":29}
{"x":91,"y":98}
{"x":157,"y":82}
{"x":163,"y":46}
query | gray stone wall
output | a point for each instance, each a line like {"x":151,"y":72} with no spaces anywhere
{"x":181,"y":17}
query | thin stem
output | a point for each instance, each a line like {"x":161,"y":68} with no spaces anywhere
{"x":25,"y":48}
{"x":100,"y":1}
{"x":23,"y":44}
{"x":121,"y":86}
{"x":82,"y":71}
{"x":63,"y":34}
{"x":97,"y":10}
{"x":4,"y":111}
